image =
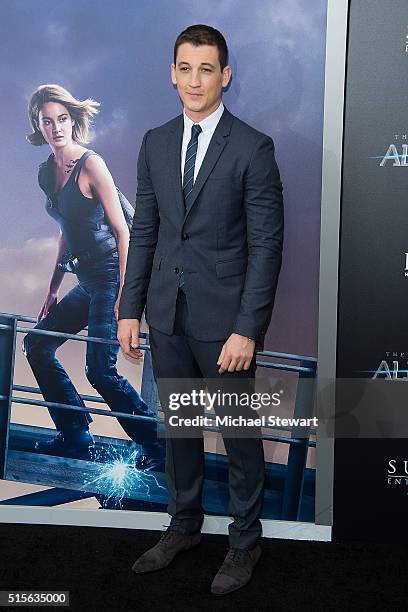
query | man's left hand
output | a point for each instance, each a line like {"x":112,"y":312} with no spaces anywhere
{"x":236,"y":354}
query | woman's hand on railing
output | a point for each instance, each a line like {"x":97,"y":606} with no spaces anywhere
{"x":49,"y":302}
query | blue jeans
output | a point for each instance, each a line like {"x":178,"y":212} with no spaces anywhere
{"x":90,"y":303}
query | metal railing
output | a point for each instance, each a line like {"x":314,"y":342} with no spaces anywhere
{"x":298,"y":446}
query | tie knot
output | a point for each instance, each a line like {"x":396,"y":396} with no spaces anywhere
{"x":195,"y":130}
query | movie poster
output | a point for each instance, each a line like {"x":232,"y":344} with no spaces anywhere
{"x":119,"y":54}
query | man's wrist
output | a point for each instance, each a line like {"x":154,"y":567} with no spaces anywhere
{"x":132,"y":319}
{"x":246,"y":332}
{"x":251,"y":340}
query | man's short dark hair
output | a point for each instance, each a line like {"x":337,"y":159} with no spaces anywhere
{"x":198,"y":35}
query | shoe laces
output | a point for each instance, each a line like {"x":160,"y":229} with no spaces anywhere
{"x":166,"y":537}
{"x":236,"y":555}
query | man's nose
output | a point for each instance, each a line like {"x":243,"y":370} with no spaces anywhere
{"x":194,"y":78}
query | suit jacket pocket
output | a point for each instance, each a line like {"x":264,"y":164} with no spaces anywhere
{"x":231,"y":268}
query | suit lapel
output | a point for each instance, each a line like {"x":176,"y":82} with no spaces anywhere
{"x":215,"y":148}
{"x":174,"y":155}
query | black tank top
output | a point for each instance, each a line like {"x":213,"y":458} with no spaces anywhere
{"x":81,"y":219}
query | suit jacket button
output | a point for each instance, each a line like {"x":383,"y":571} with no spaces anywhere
{"x":185,"y":237}
{"x":176,"y":270}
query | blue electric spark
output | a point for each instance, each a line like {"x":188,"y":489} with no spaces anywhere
{"x":118,"y":477}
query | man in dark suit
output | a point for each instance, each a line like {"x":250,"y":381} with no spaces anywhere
{"x":204,"y":259}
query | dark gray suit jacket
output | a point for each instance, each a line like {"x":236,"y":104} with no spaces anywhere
{"x":228,"y":242}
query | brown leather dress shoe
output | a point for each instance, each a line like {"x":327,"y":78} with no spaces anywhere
{"x":163,"y":553}
{"x":236,"y":571}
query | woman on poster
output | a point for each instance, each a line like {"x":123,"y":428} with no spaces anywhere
{"x":93,"y":243}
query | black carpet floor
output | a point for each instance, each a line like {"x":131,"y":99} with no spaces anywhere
{"x":94,"y":564}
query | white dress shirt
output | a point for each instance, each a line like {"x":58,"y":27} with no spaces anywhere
{"x":208,"y":126}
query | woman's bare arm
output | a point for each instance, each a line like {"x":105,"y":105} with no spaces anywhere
{"x":55,"y":282}
{"x":101,"y":182}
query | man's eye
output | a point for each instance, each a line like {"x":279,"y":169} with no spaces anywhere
{"x":184,"y":69}
{"x":207,"y":70}
{"x":63,"y":119}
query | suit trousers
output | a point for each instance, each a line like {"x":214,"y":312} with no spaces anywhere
{"x":180,"y":356}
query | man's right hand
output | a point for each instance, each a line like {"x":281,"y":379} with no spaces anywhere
{"x":128,"y":336}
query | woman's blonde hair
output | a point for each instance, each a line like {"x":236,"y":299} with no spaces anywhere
{"x":81,"y":112}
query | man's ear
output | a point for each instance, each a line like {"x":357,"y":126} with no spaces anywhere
{"x":173,"y":74}
{"x":226,"y":76}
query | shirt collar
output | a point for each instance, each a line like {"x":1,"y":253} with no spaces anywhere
{"x":208,"y":124}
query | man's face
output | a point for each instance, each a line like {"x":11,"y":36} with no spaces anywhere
{"x":199,"y":79}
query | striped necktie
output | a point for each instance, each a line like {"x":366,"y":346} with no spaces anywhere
{"x":191,"y":153}
{"x":188,"y":176}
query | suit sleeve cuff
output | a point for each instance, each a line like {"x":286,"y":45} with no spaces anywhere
{"x":244,"y":327}
{"x":129,"y":313}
